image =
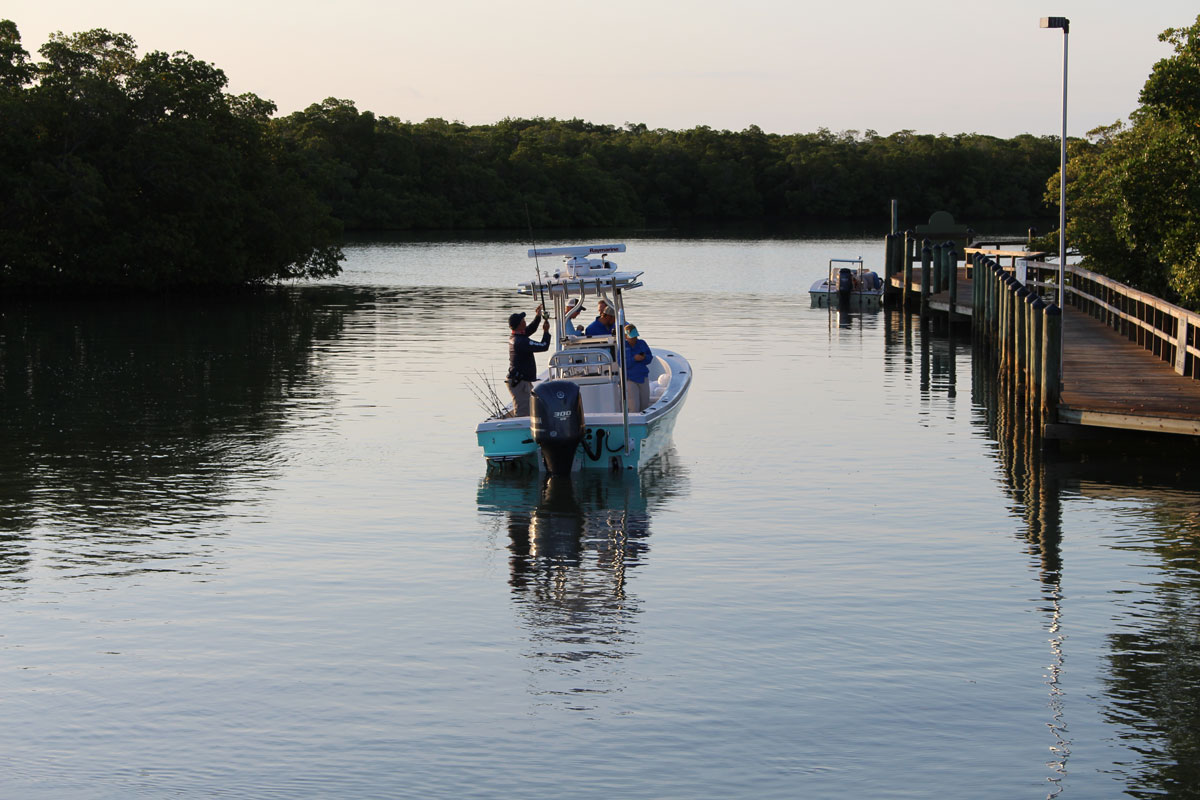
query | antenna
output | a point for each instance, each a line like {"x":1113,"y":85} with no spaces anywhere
{"x":537,"y":271}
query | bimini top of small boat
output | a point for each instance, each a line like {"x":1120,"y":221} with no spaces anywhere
{"x":585,"y":269}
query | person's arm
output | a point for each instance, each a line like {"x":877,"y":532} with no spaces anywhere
{"x":544,"y":345}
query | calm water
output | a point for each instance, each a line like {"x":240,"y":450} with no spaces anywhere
{"x":250,"y":550}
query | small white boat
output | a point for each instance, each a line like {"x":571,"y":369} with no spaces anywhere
{"x":578,"y":413}
{"x":848,"y":281}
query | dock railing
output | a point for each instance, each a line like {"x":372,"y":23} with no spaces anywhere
{"x":1160,"y":327}
{"x":1024,"y":329}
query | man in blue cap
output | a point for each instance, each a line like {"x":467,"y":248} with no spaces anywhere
{"x":637,"y":370}
{"x":522,"y":369}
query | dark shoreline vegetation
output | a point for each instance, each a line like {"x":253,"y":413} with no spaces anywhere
{"x":140,"y":172}
{"x":131,"y":171}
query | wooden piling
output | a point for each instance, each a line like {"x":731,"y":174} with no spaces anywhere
{"x":1002,"y":318}
{"x":1031,"y":343}
{"x":889,"y":248}
{"x":989,"y":289}
{"x":1037,"y":308}
{"x":948,"y":262}
{"x":935,"y":280}
{"x":977,"y":287}
{"x":952,"y":277}
{"x":910,"y":251}
{"x":1051,"y":379}
{"x":1010,"y":320}
{"x":926,"y":270}
{"x":993,"y":310}
{"x":988,"y":276}
{"x":1021,"y":340}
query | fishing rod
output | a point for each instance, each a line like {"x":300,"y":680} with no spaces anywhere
{"x":537,"y":270}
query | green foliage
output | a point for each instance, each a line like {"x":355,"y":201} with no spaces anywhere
{"x":383,"y":173}
{"x":15,"y":69}
{"x":1133,"y":198}
{"x":122,"y":171}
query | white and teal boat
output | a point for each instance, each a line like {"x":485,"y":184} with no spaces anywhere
{"x":579,"y":418}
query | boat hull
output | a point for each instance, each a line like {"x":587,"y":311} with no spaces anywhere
{"x":861,"y":300}
{"x":509,"y":440}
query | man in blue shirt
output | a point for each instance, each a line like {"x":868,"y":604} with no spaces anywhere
{"x":603,"y":325}
{"x":637,"y":371}
{"x":522,"y":369}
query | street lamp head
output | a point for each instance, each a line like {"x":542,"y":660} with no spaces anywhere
{"x":1057,"y":22}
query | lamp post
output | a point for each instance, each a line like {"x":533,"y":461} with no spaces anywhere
{"x":1065,"y":24}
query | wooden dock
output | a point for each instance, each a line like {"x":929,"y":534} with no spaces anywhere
{"x":940,"y":301}
{"x":1127,"y":358}
{"x":1111,"y":382}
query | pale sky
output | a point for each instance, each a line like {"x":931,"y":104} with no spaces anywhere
{"x":788,"y":66}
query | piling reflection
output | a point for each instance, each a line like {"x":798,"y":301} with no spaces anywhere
{"x":574,"y":544}
{"x":125,"y":421}
{"x":927,"y":347}
{"x":1035,"y":492}
{"x":1153,"y":684}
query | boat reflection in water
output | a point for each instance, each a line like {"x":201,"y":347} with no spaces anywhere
{"x":574,"y":544}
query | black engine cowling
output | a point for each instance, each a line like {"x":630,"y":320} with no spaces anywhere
{"x":845,"y":287}
{"x":845,"y":280}
{"x":556,"y":422}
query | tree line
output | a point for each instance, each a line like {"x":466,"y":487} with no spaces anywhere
{"x":381,"y":173}
{"x":125,"y":170}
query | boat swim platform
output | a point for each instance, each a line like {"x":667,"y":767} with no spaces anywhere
{"x":1109,"y":382}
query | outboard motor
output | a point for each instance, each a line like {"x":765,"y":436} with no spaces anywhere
{"x":845,"y":287}
{"x":556,"y":422}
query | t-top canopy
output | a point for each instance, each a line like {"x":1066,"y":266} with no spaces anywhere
{"x":577,"y":250}
{"x":576,"y":263}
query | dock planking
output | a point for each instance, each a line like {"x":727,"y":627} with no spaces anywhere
{"x":1111,"y":382}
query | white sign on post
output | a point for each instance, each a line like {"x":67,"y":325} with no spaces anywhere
{"x":1022,"y":266}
